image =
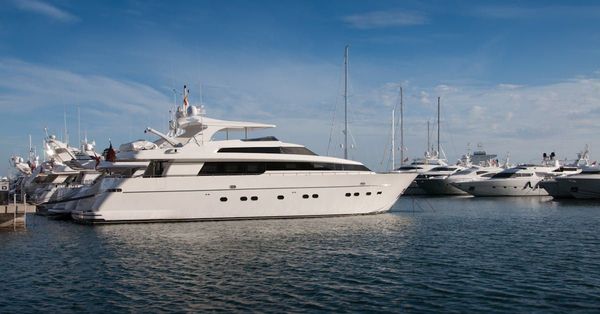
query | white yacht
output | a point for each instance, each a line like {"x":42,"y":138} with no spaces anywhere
{"x":192,"y":176}
{"x":474,"y":173}
{"x":60,"y":171}
{"x":522,"y":180}
{"x":470,"y":167}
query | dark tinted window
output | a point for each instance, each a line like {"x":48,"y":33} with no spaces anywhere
{"x":156,"y":168}
{"x":443,"y":169}
{"x":503,"y":175}
{"x":296,"y":151}
{"x":259,"y":150}
{"x":239,"y":168}
{"x":268,"y":150}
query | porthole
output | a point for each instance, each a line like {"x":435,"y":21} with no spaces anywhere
{"x":279,"y":197}
{"x":223,"y":199}
{"x":368,"y":193}
{"x":315,"y":196}
{"x":379,"y":192}
{"x":348,"y":194}
{"x":305,"y":196}
{"x":254,"y":198}
{"x":356,"y":194}
{"x":243,"y":198}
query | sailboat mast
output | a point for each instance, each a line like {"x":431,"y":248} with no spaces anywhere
{"x":346,"y":102}
{"x":79,"y":123}
{"x":66,"y":131}
{"x":393,"y":139}
{"x":428,"y":148}
{"x":438,"y":126}
{"x":401,"y":128}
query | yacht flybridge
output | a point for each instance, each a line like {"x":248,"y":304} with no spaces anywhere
{"x":188,"y":175}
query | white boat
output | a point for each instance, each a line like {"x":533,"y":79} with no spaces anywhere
{"x":240,"y":179}
{"x":522,"y":180}
{"x":440,"y":180}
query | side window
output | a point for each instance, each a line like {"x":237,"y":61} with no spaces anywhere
{"x":156,"y":168}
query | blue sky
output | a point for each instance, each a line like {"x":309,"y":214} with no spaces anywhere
{"x":517,"y":77}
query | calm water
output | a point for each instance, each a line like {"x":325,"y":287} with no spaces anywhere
{"x":427,"y":255}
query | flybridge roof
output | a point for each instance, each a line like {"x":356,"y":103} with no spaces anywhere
{"x":206,"y":128}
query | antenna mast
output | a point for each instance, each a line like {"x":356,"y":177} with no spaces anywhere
{"x":346,"y":102}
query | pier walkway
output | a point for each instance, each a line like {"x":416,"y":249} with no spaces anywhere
{"x":13,"y":216}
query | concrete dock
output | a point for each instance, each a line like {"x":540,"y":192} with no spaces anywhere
{"x":14,"y":216}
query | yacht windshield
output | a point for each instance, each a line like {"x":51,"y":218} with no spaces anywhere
{"x":504,"y":175}
{"x":464,"y":172}
{"x":443,"y":169}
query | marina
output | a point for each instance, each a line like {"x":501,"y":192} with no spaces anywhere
{"x":299,"y":156}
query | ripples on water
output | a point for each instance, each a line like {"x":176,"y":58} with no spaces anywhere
{"x":428,"y":254}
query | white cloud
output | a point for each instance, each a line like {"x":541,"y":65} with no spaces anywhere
{"x":525,"y":120}
{"x":424,"y":98}
{"x":509,"y":86}
{"x":29,"y":87}
{"x":45,"y":9}
{"x":385,"y":19}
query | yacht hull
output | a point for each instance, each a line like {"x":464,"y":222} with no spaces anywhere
{"x":557,"y":188}
{"x":582,"y":187}
{"x":439,"y":186}
{"x":269,"y":195}
{"x":503,"y":187}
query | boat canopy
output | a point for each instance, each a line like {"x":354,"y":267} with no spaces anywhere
{"x":203,"y":128}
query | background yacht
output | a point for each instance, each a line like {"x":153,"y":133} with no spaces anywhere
{"x":522,"y":180}
{"x":566,"y":179}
